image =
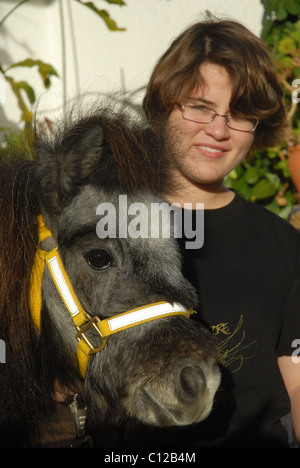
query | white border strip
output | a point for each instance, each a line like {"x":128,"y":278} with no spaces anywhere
{"x":63,"y":286}
{"x":147,"y":313}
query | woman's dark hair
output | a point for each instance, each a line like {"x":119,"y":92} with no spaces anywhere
{"x":256,"y":90}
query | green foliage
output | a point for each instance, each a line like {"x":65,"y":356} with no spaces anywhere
{"x":15,"y":144}
{"x":265,"y":178}
{"x":45,"y":70}
{"x":283,"y":35}
{"x":110,"y":23}
{"x":280,"y":10}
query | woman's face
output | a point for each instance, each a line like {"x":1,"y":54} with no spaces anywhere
{"x":205,"y":153}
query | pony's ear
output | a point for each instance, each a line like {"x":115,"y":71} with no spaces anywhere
{"x":66,"y":163}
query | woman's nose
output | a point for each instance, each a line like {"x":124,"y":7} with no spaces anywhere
{"x":218,"y":128}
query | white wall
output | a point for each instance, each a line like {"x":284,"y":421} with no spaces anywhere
{"x":96,"y":59}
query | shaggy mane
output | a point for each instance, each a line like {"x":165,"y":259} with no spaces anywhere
{"x":140,"y":153}
{"x":18,"y":240}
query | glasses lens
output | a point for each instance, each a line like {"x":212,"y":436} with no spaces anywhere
{"x":242,"y":124}
{"x":198,"y":114}
{"x":201,"y":114}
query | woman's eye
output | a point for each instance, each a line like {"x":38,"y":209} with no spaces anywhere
{"x":200,"y":108}
{"x":99,"y":259}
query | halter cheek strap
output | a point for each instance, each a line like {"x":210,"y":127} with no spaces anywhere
{"x":82,"y":320}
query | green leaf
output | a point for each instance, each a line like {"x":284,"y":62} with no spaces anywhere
{"x":252,"y":175}
{"x":281,"y":12}
{"x":116,"y":2}
{"x":295,"y":35}
{"x":16,"y":89}
{"x":110,"y":23}
{"x":267,"y":27}
{"x":292,"y":6}
{"x":264,"y":189}
{"x":297,"y":23}
{"x":278,"y":6}
{"x":287,"y":45}
{"x":240,"y":186}
{"x":270,"y":5}
{"x":282,"y":166}
{"x":28,"y":90}
{"x":233,"y":174}
{"x":272,"y":153}
{"x":18,"y":85}
{"x":45,"y":69}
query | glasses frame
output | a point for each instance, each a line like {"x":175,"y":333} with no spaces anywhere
{"x":214,"y":115}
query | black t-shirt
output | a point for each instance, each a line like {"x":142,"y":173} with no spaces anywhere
{"x":247,"y":274}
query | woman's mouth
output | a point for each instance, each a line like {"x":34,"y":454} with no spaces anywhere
{"x":211,"y":151}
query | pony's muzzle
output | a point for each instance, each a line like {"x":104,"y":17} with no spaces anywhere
{"x":183,"y":396}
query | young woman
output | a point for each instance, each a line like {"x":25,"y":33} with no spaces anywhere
{"x":216,"y":91}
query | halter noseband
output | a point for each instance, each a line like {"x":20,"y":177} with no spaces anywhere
{"x":82,"y":320}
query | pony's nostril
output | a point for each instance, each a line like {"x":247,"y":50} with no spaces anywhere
{"x":192,"y":382}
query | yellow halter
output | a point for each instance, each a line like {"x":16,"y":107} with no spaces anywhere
{"x":82,"y":320}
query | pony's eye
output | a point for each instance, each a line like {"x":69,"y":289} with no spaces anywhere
{"x":98,"y":259}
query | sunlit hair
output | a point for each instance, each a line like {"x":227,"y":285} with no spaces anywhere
{"x":256,"y":89}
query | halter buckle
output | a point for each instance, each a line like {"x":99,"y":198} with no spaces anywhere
{"x":81,"y":333}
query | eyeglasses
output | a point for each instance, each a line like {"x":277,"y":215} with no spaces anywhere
{"x":200,"y":114}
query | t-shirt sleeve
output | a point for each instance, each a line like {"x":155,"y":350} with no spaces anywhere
{"x":290,"y":332}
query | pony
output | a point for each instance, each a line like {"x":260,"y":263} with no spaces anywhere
{"x":158,"y":373}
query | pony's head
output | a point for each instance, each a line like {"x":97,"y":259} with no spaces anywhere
{"x":109,"y":312}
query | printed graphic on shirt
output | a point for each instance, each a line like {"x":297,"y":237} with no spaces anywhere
{"x":234,"y":348}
